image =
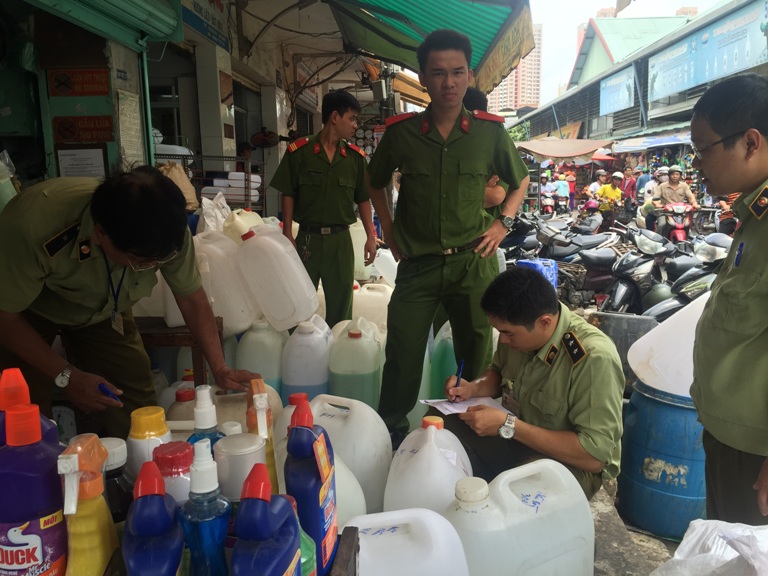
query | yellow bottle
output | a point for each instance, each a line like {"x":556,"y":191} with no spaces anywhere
{"x":259,"y":421}
{"x":91,"y":531}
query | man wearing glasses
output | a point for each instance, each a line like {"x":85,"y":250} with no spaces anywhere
{"x":76,"y":255}
{"x":729,"y":131}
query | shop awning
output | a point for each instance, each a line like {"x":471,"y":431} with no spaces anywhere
{"x":391,"y":30}
{"x":658,"y":140}
{"x":558,"y":149}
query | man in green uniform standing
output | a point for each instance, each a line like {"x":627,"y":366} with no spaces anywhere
{"x":729,"y":131}
{"x":561,"y":384}
{"x":442,"y":236}
{"x":321,"y":177}
{"x":76,"y":256}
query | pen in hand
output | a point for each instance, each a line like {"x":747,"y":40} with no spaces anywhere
{"x":108,"y":393}
{"x":458,"y":377}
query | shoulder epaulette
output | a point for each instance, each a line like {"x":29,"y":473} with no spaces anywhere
{"x":574,"y":348}
{"x":296,"y":144}
{"x":760,"y":204}
{"x":480,"y":115}
{"x":356,"y":149}
{"x":58,"y":242}
{"x":399,"y":118}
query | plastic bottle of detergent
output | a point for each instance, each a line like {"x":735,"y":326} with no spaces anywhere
{"x":267,"y":530}
{"x":259,"y":421}
{"x":32,"y":526}
{"x":355,"y":366}
{"x":306,"y":359}
{"x":205,"y":417}
{"x":205,"y":516}
{"x":174,"y":460}
{"x":308,"y":552}
{"x":118,"y":488}
{"x":14,"y":391}
{"x":184,"y":406}
{"x":260,"y":349}
{"x":310,"y":479}
{"x":153,"y":540}
{"x":91,"y":532}
{"x":148,"y":430}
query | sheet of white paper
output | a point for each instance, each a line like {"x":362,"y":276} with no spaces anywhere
{"x":448,"y":407}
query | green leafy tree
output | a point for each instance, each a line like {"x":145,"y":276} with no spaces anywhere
{"x":520,"y":133}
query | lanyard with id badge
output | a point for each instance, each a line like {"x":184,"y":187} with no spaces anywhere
{"x":508,"y":399}
{"x":117,"y":317}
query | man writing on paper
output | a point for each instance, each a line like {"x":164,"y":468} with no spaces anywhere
{"x":560,"y":378}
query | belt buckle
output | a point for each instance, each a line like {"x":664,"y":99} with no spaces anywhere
{"x":450,"y":251}
{"x":325,"y":230}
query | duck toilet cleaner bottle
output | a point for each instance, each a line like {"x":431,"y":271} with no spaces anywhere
{"x":91,"y":531}
{"x":33,"y":535}
{"x":267,"y":530}
{"x":153,"y":539}
{"x":205,"y":516}
{"x":310,"y":479}
{"x":14,"y":391}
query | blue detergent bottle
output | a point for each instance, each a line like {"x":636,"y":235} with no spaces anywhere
{"x":153,"y":539}
{"x":267,"y":530}
{"x":205,"y":516}
{"x":13,"y":392}
{"x":205,"y":418}
{"x":310,"y":479}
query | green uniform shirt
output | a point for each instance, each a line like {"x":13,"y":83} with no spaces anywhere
{"x":52,"y":268}
{"x":324,"y":192}
{"x":730,"y":363}
{"x":440,"y":202}
{"x":574,"y":382}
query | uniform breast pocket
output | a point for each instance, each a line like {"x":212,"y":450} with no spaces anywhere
{"x":473,"y":175}
{"x":416,"y":182}
{"x":551,"y":409}
{"x":347,"y":185}
{"x":736,"y":300}
{"x":310,"y":182}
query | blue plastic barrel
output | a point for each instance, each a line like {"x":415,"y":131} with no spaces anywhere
{"x":661,"y":484}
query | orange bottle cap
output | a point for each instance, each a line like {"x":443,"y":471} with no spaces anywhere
{"x":435,"y":421}
{"x":22,"y":425}
{"x":13,"y":388}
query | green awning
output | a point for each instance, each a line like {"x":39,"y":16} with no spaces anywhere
{"x":391,"y":30}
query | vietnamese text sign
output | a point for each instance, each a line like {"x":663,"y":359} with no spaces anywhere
{"x":83,"y":129}
{"x":209,"y":18}
{"x":617,"y":92}
{"x":78,"y":82}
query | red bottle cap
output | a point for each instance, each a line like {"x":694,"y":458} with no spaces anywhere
{"x":295,"y":398}
{"x":257,"y":484}
{"x":13,"y":388}
{"x":185,"y":394}
{"x":355,"y":334}
{"x":22,"y":425}
{"x":149,"y":482}
{"x":174,"y":458}
{"x":302,"y":416}
{"x":249,"y":234}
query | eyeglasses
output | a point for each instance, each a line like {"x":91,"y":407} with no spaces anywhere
{"x":697,"y":151}
{"x":150,"y":263}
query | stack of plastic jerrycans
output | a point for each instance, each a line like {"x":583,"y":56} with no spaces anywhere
{"x":425,"y":468}
{"x":371,"y":302}
{"x":239,"y":221}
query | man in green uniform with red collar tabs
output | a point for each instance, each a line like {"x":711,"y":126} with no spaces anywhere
{"x":442,"y":236}
{"x":321,"y":178}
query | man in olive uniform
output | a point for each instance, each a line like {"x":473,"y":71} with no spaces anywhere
{"x":561,"y":384}
{"x":442,"y":236}
{"x":321,"y":178}
{"x":76,"y":255}
{"x":729,"y":131}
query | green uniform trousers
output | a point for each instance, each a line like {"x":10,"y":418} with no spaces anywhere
{"x":98,"y":349}
{"x":330,"y":258}
{"x":729,"y":475}
{"x":457,"y":282}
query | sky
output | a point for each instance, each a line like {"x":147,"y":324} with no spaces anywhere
{"x":560,"y":19}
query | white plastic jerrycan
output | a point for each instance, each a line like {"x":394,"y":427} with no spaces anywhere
{"x":306,"y":358}
{"x":260,"y":350}
{"x":533,"y":519}
{"x":387,"y":265}
{"x":273,"y":272}
{"x":412,"y":542}
{"x":231,"y":299}
{"x":171,"y":312}
{"x":355,"y":363}
{"x":443,"y":361}
{"x":425,"y":468}
{"x":360,"y":437}
{"x":239,"y":221}
{"x":419,"y":410}
{"x":359,"y":237}
{"x":151,"y":305}
{"x":371,"y":302}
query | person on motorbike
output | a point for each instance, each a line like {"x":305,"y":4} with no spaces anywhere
{"x":609,"y":197}
{"x":589,"y":219}
{"x":676,"y":190}
{"x":601,"y":176}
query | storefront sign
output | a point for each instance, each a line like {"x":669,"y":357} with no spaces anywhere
{"x":617,"y":92}
{"x":75,"y":82}
{"x":84,"y":161}
{"x":305,"y":76}
{"x":209,"y":18}
{"x":83,"y":129}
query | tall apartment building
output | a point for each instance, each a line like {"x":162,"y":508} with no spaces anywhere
{"x":523,"y":85}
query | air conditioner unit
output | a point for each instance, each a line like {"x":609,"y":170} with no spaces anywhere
{"x":379,"y":89}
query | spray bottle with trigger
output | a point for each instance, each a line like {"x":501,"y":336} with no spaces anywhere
{"x":259,"y":421}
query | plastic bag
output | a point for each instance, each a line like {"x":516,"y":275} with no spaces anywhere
{"x":213,"y":214}
{"x":714,"y":548}
{"x":176,"y":173}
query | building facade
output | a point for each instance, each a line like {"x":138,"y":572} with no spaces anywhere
{"x":522,"y":88}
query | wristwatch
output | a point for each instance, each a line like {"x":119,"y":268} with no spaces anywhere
{"x":508,"y":221}
{"x":507,"y":429}
{"x":62,"y":380}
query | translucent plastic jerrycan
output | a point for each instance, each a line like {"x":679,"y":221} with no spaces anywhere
{"x":419,"y":410}
{"x":371,"y":302}
{"x":412,"y":542}
{"x":360,"y":437}
{"x":260,"y":350}
{"x":239,"y":221}
{"x":386,"y":264}
{"x":275,"y":275}
{"x":359,"y":237}
{"x":232,"y":301}
{"x":355,"y":363}
{"x":533,"y":519}
{"x":151,"y":305}
{"x":425,"y":468}
{"x":306,"y":358}
{"x":171,"y":311}
{"x":443,"y":362}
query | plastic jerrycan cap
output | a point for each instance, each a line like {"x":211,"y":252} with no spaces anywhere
{"x":249,"y":234}
{"x":230,"y":428}
{"x":305,"y":328}
{"x":22,"y":425}
{"x":149,"y":482}
{"x":81,"y":464}
{"x":354,"y":334}
{"x":435,"y":421}
{"x":471,"y":490}
{"x":148,"y":422}
{"x":302,"y":416}
{"x":13,"y":389}
{"x":257,"y":484}
{"x":185,"y":394}
{"x":117,"y":452}
{"x":173,"y":458}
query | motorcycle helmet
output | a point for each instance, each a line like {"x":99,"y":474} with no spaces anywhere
{"x":618,"y":175}
{"x":543,"y":177}
{"x":675,"y":168}
{"x":591,"y":206}
{"x":600,"y":172}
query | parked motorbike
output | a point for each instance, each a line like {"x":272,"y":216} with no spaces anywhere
{"x":679,"y":217}
{"x":562,"y":204}
{"x":561,"y":244}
